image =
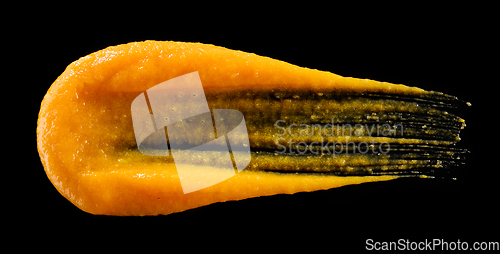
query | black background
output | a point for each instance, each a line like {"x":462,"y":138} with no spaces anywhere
{"x":436,"y":49}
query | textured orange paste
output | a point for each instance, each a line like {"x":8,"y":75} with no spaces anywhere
{"x":84,"y":126}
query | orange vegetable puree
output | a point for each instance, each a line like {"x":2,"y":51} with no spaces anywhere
{"x":87,"y":145}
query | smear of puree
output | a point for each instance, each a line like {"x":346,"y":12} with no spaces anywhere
{"x":308,"y":130}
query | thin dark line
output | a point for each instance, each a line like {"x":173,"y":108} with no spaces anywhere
{"x":168,"y":144}
{"x":150,"y":110}
{"x":147,"y":102}
{"x":213,"y":123}
{"x":227,"y":142}
{"x":231,"y":154}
